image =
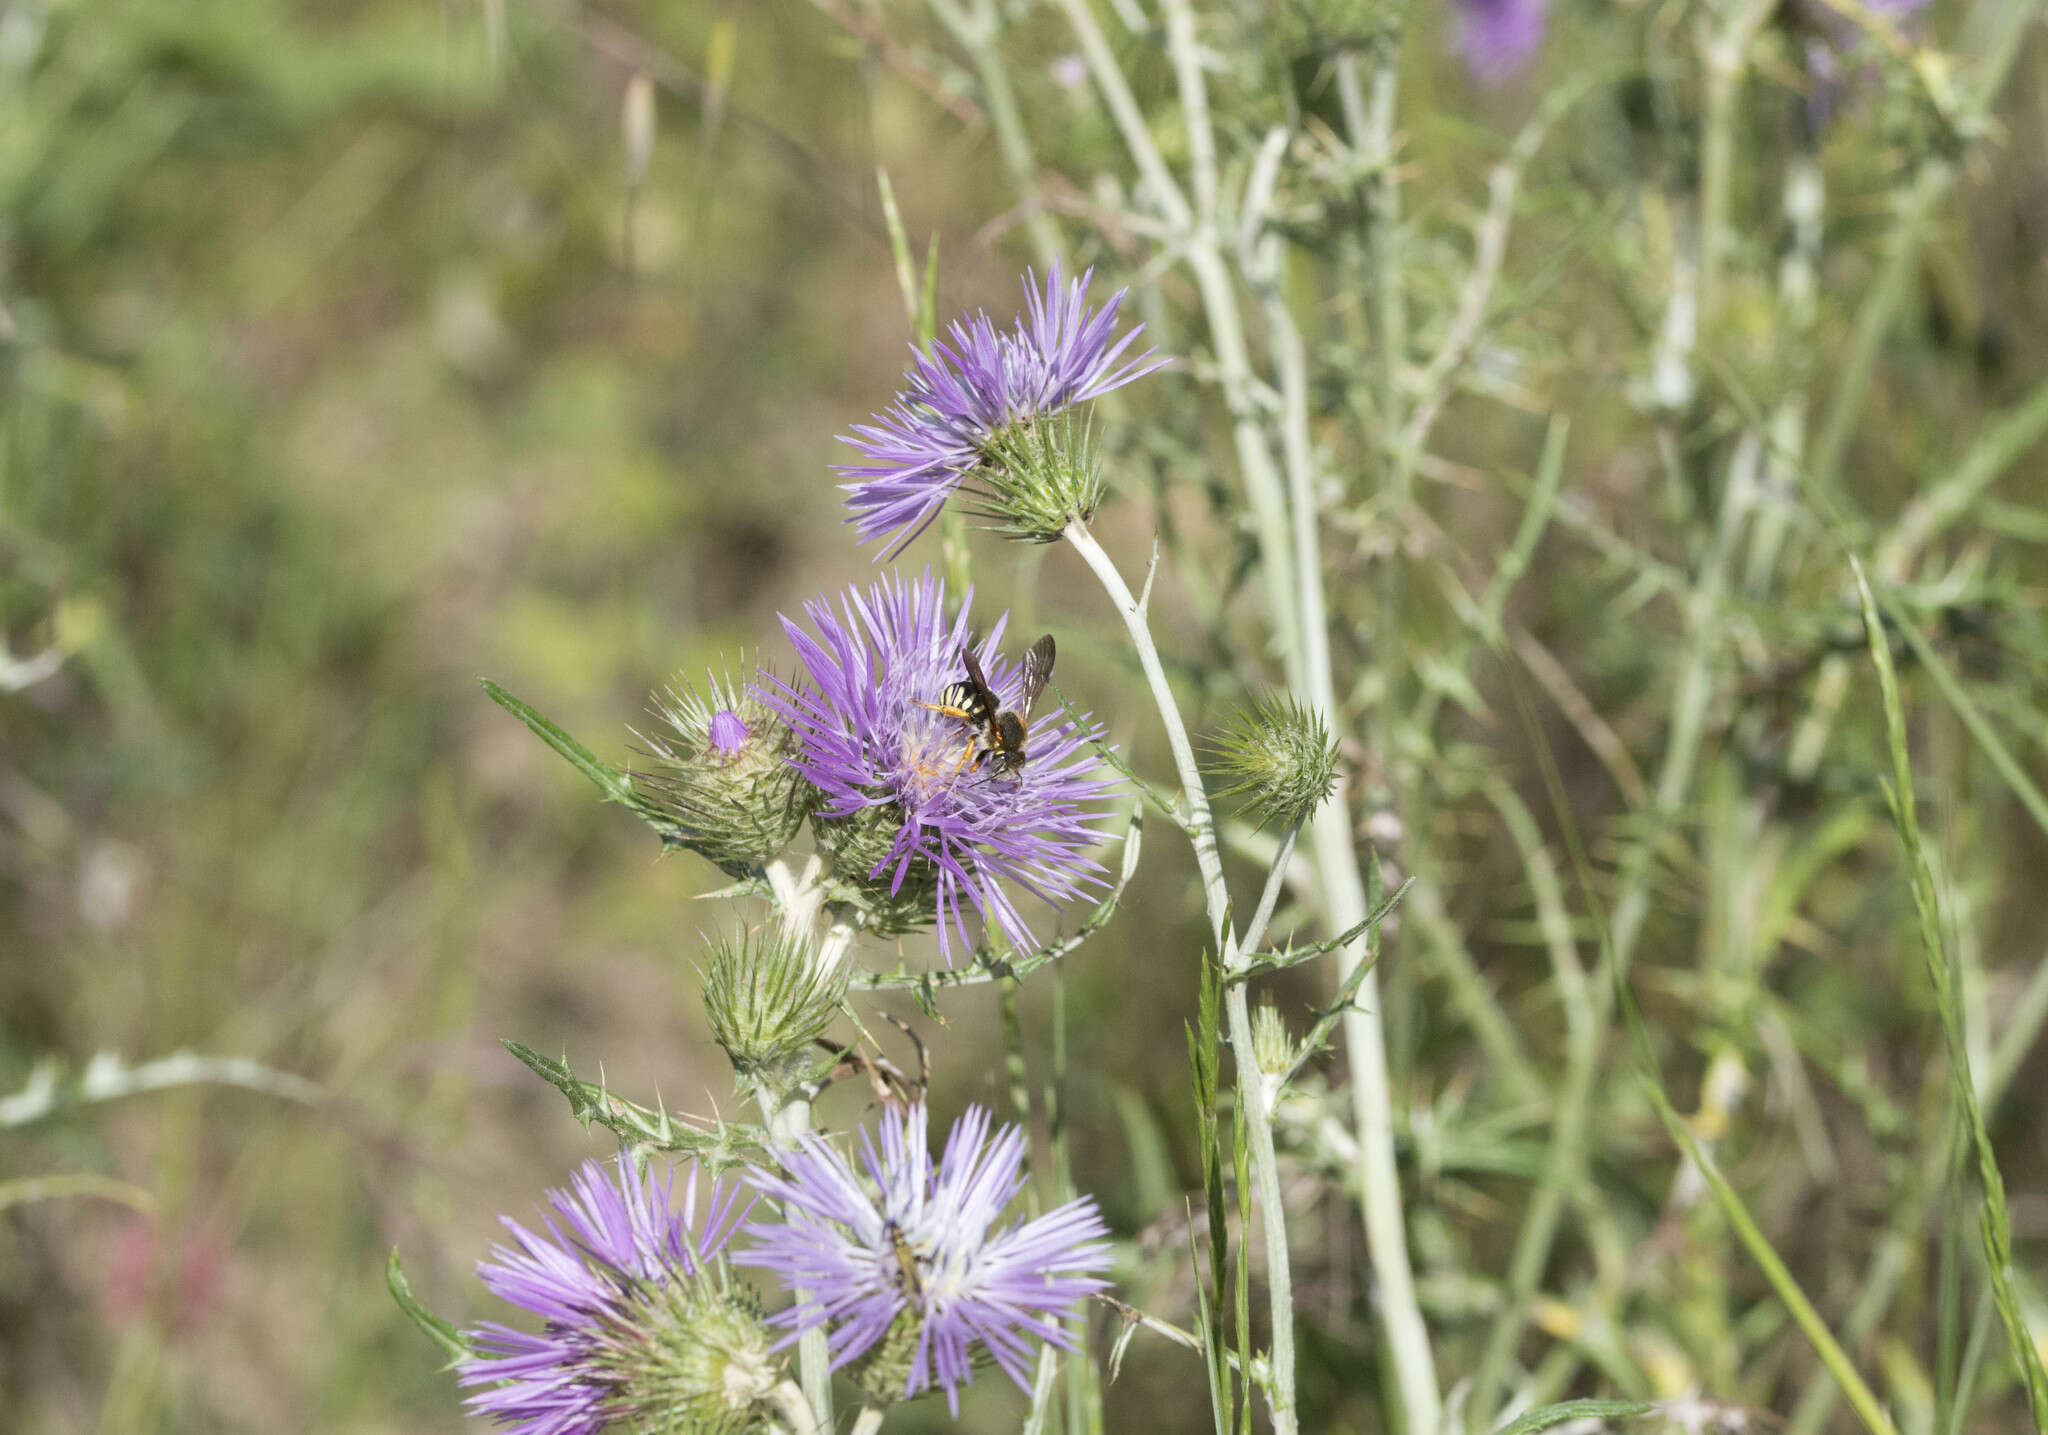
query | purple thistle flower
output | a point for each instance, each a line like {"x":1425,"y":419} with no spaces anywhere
{"x":865,"y":743}
{"x":1498,"y":37}
{"x":597,"y":1275}
{"x":922,"y":1241}
{"x":963,"y":393}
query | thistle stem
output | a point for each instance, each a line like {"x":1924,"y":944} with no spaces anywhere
{"x":1254,"y":1104}
{"x":795,"y":1409}
{"x":788,"y":1118}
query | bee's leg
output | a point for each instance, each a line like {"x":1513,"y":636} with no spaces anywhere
{"x":968,"y":754}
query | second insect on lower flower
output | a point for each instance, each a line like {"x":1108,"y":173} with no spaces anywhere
{"x":909,"y":1266}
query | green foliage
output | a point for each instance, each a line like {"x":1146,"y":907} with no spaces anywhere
{"x":452,"y":1341}
{"x":1994,"y":1224}
{"x":717,"y":1145}
{"x":1550,"y":1416}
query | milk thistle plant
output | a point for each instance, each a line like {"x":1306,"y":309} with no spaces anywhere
{"x":916,"y":770}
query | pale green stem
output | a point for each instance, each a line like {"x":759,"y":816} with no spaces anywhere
{"x":978,"y":33}
{"x":786,"y":1120}
{"x":1371,"y":116}
{"x":1276,"y":877}
{"x":1041,"y":1390}
{"x":1196,"y":819}
{"x":107,"y":1078}
{"x":1254,"y":1100}
{"x":1585,"y":1019}
{"x":787,"y":1113}
{"x":869,"y":1420}
{"x":1726,"y":57}
{"x":795,"y":1409}
{"x":1689,"y":702}
{"x":1205,"y":257}
{"x":1123,"y":109}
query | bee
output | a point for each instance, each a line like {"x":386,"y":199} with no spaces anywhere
{"x":996,"y":734}
{"x":906,"y":1260}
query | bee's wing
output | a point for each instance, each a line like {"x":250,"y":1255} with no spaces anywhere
{"x":977,"y":681}
{"x":1037,"y":668}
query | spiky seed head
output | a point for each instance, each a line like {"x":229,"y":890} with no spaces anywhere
{"x":722,"y":782}
{"x":1035,"y":477}
{"x":768,"y":998}
{"x":697,"y":1361}
{"x":1279,"y":760}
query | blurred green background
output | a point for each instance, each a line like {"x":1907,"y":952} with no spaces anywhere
{"x":344,"y":362}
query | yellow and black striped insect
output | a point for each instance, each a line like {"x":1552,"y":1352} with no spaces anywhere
{"x":996,"y":734}
{"x":907,"y":1278}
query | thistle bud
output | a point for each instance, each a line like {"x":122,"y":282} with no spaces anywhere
{"x":1279,"y":759}
{"x":768,"y":998}
{"x":725,"y":785}
{"x":1036,"y":477}
{"x":1272,"y":1047}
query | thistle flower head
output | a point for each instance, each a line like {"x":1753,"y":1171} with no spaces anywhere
{"x":1277,"y":757}
{"x":768,"y":998}
{"x":908,"y":810}
{"x":1498,"y":37}
{"x":723,"y":783}
{"x":969,"y":401}
{"x":908,"y":1261}
{"x":640,"y":1318}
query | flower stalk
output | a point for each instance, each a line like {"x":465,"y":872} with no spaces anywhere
{"x":1255,"y":1107}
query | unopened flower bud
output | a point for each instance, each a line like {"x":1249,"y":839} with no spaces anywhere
{"x":1279,"y":759}
{"x":1272,"y":1047}
{"x":725,"y":784}
{"x":768,"y":999}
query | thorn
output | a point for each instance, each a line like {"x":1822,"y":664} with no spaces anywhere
{"x":1151,"y":572}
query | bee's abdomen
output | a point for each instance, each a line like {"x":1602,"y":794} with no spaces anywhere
{"x":965,"y":698}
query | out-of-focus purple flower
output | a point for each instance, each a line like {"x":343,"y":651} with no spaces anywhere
{"x":601,"y":1275}
{"x":1498,"y":37}
{"x":915,"y":1249}
{"x":1833,"y":36}
{"x":865,"y":743}
{"x":972,"y":385}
